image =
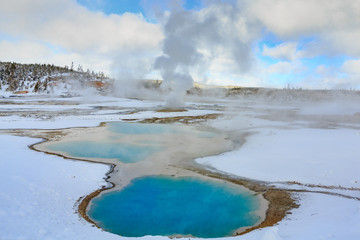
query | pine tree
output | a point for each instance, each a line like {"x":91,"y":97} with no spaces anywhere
{"x":1,"y":76}
{"x":45,"y":85}
{"x":80,"y":68}
{"x":37,"y":86}
{"x":34,"y":73}
{"x":12,"y":78}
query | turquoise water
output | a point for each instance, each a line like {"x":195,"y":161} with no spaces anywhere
{"x":141,"y":128}
{"x":144,"y":128}
{"x":159,"y":205}
{"x":126,"y":153}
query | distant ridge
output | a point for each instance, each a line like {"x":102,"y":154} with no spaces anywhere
{"x":45,"y":78}
{"x":22,"y":79}
{"x":285,"y":94}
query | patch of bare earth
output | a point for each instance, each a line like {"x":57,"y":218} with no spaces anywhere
{"x":280,"y":204}
{"x":182,"y":119}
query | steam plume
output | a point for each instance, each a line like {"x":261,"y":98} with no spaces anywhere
{"x":194,"y":39}
{"x":179,"y":53}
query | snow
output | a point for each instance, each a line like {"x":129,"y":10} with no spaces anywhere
{"x":90,"y":120}
{"x":316,"y":156}
{"x":38,"y":107}
{"x":284,"y":142}
{"x":38,"y":193}
{"x":27,"y":115}
{"x":332,"y":108}
{"x":319,"y":217}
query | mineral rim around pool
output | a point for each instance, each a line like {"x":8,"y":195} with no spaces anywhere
{"x":163,"y":205}
{"x":144,"y":203}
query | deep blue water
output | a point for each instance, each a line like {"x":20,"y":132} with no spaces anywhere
{"x":126,"y":153}
{"x":159,"y":205}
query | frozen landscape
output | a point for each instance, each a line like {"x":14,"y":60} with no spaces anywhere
{"x":308,"y":147}
{"x":226,"y":119}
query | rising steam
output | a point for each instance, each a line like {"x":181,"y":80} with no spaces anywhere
{"x":179,"y":54}
{"x":194,"y":39}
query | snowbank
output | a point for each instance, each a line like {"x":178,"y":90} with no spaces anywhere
{"x":38,"y":193}
{"x":316,"y":156}
{"x":319,"y":217}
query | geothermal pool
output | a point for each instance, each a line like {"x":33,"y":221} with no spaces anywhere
{"x":115,"y":143}
{"x":154,"y":193}
{"x":163,"y":205}
{"x":126,"y":153}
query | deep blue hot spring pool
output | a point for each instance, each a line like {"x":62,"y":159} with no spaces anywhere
{"x":164,"y":205}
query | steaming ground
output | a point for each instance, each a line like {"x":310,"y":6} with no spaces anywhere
{"x":309,"y":142}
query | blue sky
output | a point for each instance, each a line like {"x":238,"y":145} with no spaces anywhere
{"x":297,"y":43}
{"x":113,"y":6}
{"x":133,"y":6}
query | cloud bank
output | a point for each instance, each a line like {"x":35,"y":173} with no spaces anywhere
{"x":81,"y":35}
{"x":308,"y":43}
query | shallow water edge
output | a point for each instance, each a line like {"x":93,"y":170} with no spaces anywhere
{"x":275,"y":209}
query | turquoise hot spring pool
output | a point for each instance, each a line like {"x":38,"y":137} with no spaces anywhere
{"x":111,"y":148}
{"x":164,"y":205}
{"x":161,"y":205}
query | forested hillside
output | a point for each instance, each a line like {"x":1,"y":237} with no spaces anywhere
{"x":46,"y":78}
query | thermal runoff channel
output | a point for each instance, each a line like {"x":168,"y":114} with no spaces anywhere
{"x":162,"y":205}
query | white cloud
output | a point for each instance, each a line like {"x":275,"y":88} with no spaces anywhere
{"x":36,"y":52}
{"x":345,"y":41}
{"x":346,"y":76}
{"x":352,"y":67}
{"x":65,"y":24}
{"x":352,"y":70}
{"x":303,"y":17}
{"x":25,"y":52}
{"x":130,"y":44}
{"x":285,"y":67}
{"x":321,"y":69}
{"x":335,"y":23}
{"x":285,"y":51}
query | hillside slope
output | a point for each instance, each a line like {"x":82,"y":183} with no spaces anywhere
{"x":46,"y":78}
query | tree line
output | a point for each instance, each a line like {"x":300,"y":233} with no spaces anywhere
{"x":36,"y":77}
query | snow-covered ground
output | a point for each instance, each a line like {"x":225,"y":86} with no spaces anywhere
{"x":39,"y":191}
{"x":310,"y":156}
{"x":304,"y":142}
